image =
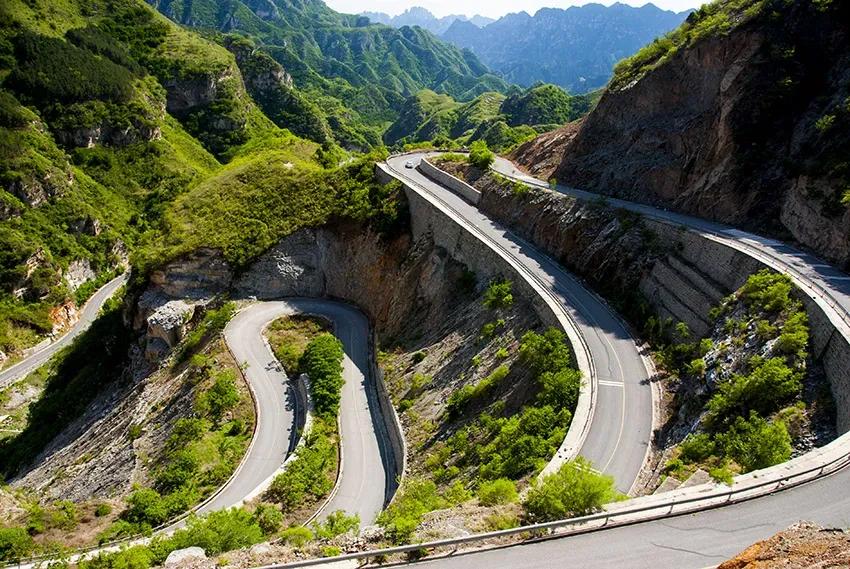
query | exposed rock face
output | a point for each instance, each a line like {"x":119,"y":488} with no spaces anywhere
{"x":34,"y":191}
{"x":108,"y":135}
{"x":749,"y":128}
{"x":163,"y":320}
{"x":801,"y":546}
{"x":179,"y":557}
{"x":64,"y":316}
{"x":79,"y":272}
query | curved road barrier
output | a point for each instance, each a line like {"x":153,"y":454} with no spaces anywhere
{"x":612,"y":425}
{"x":88,"y":315}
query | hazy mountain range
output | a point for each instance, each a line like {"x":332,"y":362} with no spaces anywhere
{"x":417,"y":16}
{"x":575,"y":48}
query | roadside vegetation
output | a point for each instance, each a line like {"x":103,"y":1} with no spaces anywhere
{"x":755,"y":409}
{"x":303,"y":344}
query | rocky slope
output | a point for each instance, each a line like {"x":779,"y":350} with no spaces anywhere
{"x":802,"y":546}
{"x":740,"y":116}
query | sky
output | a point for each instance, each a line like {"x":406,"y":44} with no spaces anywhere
{"x":491,"y":8}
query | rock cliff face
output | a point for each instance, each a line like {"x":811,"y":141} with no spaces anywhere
{"x":749,"y":127}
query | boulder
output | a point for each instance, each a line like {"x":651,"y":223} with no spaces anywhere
{"x":182,"y":556}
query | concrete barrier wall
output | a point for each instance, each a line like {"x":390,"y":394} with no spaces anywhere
{"x":458,"y":186}
{"x":394,"y":430}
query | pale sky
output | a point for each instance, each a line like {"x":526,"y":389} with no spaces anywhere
{"x":491,"y":8}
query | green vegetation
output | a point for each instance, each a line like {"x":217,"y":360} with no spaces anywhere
{"x":414,"y":499}
{"x":460,"y":399}
{"x":322,"y":362}
{"x":496,"y":492}
{"x":574,"y":490}
{"x":289,"y":337}
{"x":711,"y":19}
{"x":747,"y":415}
{"x":480,"y":156}
{"x":499,"y":295}
{"x":311,"y":474}
{"x":502,"y":122}
{"x":212,"y":324}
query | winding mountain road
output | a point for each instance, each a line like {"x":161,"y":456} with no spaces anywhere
{"x":366,"y":473}
{"x":708,"y":537}
{"x":619,"y":435}
{"x":88,"y":315}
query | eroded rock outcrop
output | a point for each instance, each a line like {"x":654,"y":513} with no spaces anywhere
{"x":749,"y":127}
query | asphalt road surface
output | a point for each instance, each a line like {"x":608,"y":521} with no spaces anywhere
{"x":364,"y":479}
{"x":621,"y":428}
{"x":40,"y":357}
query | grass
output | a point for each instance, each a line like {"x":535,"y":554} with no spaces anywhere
{"x":290,"y":335}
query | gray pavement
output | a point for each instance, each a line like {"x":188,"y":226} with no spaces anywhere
{"x":621,"y":427}
{"x":88,"y":315}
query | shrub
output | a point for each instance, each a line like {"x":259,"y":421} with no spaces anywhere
{"x":559,"y":389}
{"x":217,"y":532}
{"x":499,"y":491}
{"x":771,"y":383}
{"x":768,"y":291}
{"x":498,"y":521}
{"x":498,"y":295}
{"x":15,"y":543}
{"x":337,"y":523}
{"x":145,"y":507}
{"x":697,"y":447}
{"x":269,"y":518}
{"x":457,"y":493}
{"x":296,"y":536}
{"x":180,"y":470}
{"x":415,"y":498}
{"x":795,"y":335}
{"x":574,"y":490}
{"x":463,"y":396}
{"x":221,"y":397}
{"x":102,"y":509}
{"x":322,"y":362}
{"x":214,"y":322}
{"x":309,"y":474}
{"x":546,"y":352}
{"x":480,"y":156}
{"x":755,"y":443}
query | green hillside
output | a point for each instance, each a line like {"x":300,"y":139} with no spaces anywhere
{"x":108,"y":113}
{"x":357,"y":73}
{"x":502,"y":121}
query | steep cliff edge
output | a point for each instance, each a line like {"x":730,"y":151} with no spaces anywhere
{"x":741,"y":116}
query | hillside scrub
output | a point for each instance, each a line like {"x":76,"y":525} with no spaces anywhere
{"x":757,"y":404}
{"x":575,"y":490}
{"x":322,"y":362}
{"x":289,"y":337}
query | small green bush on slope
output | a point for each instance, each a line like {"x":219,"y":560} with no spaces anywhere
{"x":572,"y":491}
{"x":322,"y":362}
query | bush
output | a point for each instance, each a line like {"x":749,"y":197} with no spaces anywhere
{"x":214,"y":322}
{"x":499,"y":491}
{"x":755,"y":443}
{"x":559,"y":389}
{"x":768,"y":291}
{"x":322,"y":362}
{"x":574,"y":490}
{"x":221,"y":397}
{"x":15,"y":543}
{"x":415,"y":498}
{"x":498,"y":295}
{"x":145,"y":507}
{"x":763,"y":390}
{"x":459,"y":399}
{"x":697,"y":447}
{"x":337,"y":523}
{"x":794,"y":337}
{"x":217,"y":532}
{"x":310,"y":473}
{"x":296,"y":536}
{"x":269,"y":518}
{"x":497,"y":521}
{"x":547,"y":352}
{"x":480,"y":156}
{"x":102,"y":509}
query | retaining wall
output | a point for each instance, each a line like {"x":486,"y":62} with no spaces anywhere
{"x":458,"y":186}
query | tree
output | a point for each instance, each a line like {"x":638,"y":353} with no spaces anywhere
{"x":221,"y":397}
{"x":545,"y":352}
{"x":322,"y":362}
{"x":480,"y":155}
{"x":574,"y":490}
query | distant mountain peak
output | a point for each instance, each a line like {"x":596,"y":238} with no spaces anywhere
{"x":422,"y":17}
